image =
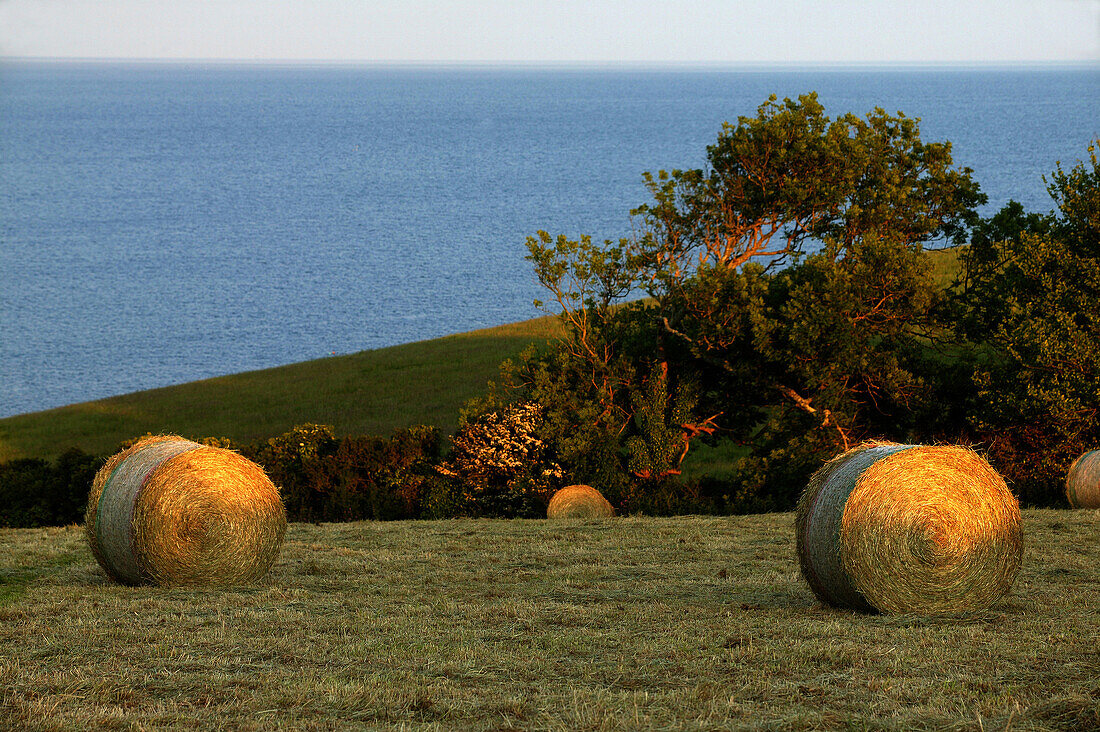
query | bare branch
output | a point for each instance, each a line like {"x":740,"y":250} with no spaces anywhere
{"x":827,"y":416}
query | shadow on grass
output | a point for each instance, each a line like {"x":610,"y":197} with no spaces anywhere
{"x":14,"y":583}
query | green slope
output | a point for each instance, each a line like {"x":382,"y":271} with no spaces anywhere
{"x":372,"y":392}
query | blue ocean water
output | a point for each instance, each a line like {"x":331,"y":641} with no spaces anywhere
{"x":163,"y":223}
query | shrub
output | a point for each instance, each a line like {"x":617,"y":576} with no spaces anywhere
{"x":382,"y":478}
{"x":24,"y":484}
{"x":499,"y":466}
{"x":325,"y":478}
{"x":294,"y":461}
{"x":35,"y":493}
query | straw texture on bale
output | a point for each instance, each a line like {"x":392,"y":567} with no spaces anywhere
{"x":579,"y":501}
{"x":169,"y":511}
{"x":1083,"y":481}
{"x":909,"y":529}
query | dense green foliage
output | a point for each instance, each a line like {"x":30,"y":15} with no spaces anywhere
{"x":789,"y":293}
{"x":1028,"y":307}
{"x":792,"y":312}
{"x":325,"y":478}
{"x":321,"y":477}
{"x":498,"y":467}
{"x":34,"y":492}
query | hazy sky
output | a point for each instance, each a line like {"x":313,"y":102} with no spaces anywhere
{"x":538,"y":31}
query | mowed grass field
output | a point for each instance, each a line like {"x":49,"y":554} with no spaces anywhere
{"x":631,"y":623}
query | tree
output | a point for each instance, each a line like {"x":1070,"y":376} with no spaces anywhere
{"x":295,"y":461}
{"x":790,"y":176}
{"x":786,"y":281}
{"x":1028,"y":305}
{"x":778,"y":182}
{"x":664,"y":427}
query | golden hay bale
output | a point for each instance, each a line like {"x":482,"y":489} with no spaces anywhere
{"x":1083,"y":481}
{"x":170,"y":511}
{"x":908,"y":529}
{"x":579,"y":501}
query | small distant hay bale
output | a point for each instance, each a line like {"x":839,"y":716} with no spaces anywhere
{"x":1083,"y":481}
{"x":169,"y":511}
{"x":579,"y":501}
{"x":909,"y":529}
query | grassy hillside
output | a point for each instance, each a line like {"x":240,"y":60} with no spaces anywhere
{"x":372,"y":392}
{"x":636,"y":623}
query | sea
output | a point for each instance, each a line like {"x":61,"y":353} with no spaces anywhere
{"x":161,"y":223}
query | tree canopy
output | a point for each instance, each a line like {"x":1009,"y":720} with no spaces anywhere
{"x":790,"y":311}
{"x":1028,"y":303}
{"x":789,"y":176}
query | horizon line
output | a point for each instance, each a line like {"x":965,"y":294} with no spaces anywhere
{"x":549,"y":64}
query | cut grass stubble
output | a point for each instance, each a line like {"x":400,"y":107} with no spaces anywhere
{"x":681,"y":623}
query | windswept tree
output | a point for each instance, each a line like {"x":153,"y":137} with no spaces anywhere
{"x":791,"y":176}
{"x":785,"y":280}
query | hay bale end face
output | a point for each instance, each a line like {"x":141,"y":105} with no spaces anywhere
{"x":909,"y":529}
{"x":579,"y":501}
{"x":1083,"y":481}
{"x":169,"y":511}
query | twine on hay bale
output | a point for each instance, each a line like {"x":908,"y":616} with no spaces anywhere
{"x":169,"y":511}
{"x":1083,"y":481}
{"x":908,"y":529}
{"x":579,"y":501}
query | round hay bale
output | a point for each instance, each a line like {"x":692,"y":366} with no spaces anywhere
{"x":1083,"y":481}
{"x":579,"y":501}
{"x":169,"y":511}
{"x":909,"y":529}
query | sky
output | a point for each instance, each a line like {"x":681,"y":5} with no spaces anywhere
{"x":634,"y":32}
